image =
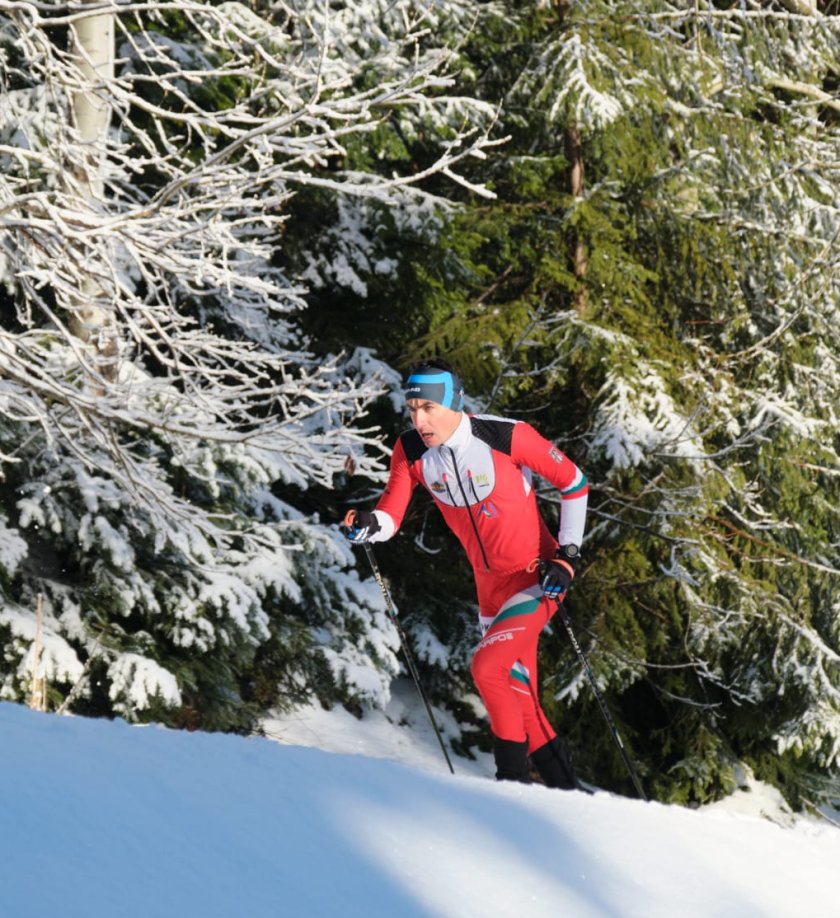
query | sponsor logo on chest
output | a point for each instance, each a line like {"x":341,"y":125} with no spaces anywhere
{"x":452,"y":477}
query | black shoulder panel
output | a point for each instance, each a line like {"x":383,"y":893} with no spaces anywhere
{"x":495,"y":432}
{"x":413,"y":445}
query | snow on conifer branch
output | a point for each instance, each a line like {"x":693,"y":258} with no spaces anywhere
{"x":212,"y":129}
{"x":156,"y":393}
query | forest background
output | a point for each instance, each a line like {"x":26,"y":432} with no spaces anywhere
{"x":226,"y":229}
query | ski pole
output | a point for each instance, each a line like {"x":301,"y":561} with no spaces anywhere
{"x":567,"y":624}
{"x":409,"y":658}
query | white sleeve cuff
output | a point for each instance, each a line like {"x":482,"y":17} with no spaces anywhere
{"x":572,"y":521}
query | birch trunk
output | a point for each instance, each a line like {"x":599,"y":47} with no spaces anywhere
{"x":92,"y":321}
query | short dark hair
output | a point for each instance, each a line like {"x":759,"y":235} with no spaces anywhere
{"x":437,"y":363}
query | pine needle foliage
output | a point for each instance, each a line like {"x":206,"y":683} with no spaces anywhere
{"x":689,"y":368}
{"x":161,"y":404}
{"x":638,"y":253}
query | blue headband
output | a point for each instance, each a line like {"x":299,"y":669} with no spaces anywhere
{"x":433,"y":385}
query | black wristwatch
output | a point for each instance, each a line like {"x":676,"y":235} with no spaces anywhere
{"x":570,"y":553}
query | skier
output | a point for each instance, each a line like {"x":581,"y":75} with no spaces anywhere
{"x":478,"y":470}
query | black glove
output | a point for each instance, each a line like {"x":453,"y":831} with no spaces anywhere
{"x":557,"y":575}
{"x":359,"y":526}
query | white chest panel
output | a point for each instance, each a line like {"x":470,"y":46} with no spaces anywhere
{"x":462,"y":472}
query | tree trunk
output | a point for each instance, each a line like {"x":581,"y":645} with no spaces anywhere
{"x":92,"y":318}
{"x":574,"y":154}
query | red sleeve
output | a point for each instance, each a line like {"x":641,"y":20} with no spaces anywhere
{"x":401,"y":483}
{"x":531,"y":449}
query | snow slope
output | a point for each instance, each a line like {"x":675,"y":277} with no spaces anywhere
{"x":104,"y":820}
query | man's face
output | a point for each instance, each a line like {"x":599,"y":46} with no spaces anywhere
{"x":432,"y":421}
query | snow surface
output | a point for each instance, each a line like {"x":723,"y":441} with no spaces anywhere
{"x":106,"y":820}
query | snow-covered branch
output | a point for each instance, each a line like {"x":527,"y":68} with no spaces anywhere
{"x":157,"y":239}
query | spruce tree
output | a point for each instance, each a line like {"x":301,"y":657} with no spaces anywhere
{"x":163,"y":414}
{"x":656,"y":287}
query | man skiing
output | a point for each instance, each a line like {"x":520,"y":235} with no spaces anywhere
{"x":478,"y":471}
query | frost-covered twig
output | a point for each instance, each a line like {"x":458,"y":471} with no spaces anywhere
{"x":148,"y":295}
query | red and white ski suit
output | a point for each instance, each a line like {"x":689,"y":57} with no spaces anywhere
{"x":481,"y":481}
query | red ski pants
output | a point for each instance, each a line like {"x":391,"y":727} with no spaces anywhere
{"x":513,"y":612}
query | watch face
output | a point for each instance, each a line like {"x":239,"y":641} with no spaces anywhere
{"x":571,"y":551}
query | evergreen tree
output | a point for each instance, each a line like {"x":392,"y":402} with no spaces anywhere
{"x":160,"y":403}
{"x":657,"y":288}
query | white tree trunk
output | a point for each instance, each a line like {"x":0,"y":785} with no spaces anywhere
{"x":92,"y":48}
{"x":172,"y":279}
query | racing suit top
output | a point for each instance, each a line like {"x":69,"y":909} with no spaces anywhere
{"x":481,"y":481}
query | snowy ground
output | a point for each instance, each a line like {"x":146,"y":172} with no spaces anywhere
{"x":104,"y":820}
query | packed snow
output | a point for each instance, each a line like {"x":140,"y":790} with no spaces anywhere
{"x":107,"y":820}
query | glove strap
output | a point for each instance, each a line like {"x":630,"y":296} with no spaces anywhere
{"x":538,"y":564}
{"x":564,"y":563}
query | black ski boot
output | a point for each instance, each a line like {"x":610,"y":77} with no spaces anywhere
{"x":554,"y":765}
{"x":511,"y":761}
